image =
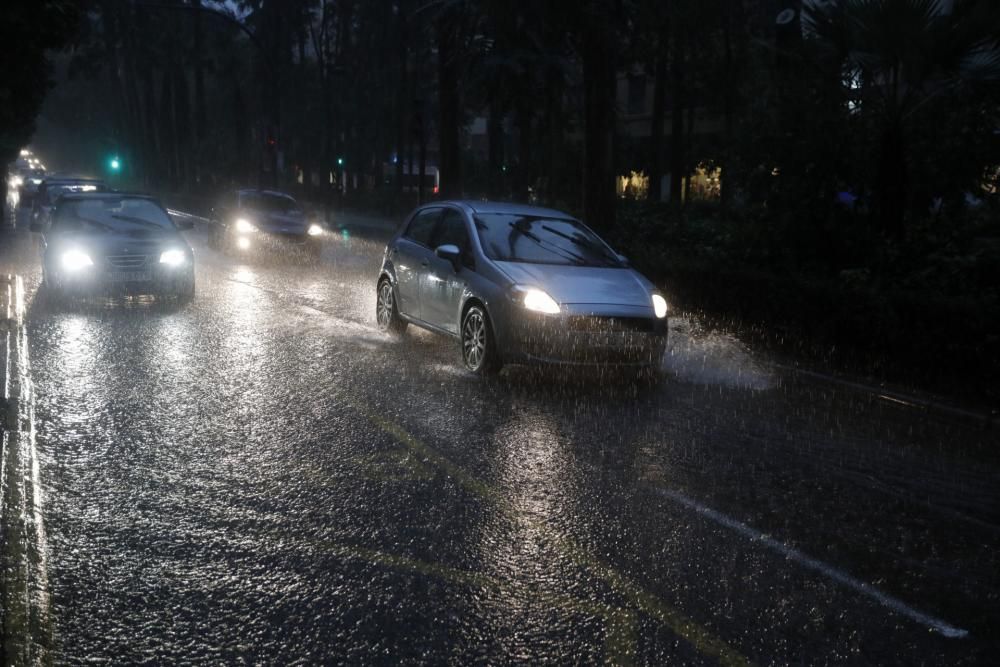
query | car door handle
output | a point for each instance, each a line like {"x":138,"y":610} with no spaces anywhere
{"x":425,"y":263}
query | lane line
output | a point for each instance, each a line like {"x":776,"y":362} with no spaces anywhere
{"x":620,"y":624}
{"x":907,"y":400}
{"x":808,"y":562}
{"x":690,"y":631}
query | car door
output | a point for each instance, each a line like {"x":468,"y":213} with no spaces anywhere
{"x":442,"y":284}
{"x":411,"y":256}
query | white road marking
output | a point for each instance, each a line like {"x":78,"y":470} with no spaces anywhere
{"x":829,"y":571}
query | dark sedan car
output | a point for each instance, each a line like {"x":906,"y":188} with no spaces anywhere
{"x":254,"y":221}
{"x":115,"y":244}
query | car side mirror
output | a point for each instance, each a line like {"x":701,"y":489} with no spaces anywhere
{"x":449,"y":252}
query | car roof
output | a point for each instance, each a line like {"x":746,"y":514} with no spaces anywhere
{"x":475,"y":206}
{"x":70,"y":196}
{"x":71,"y":179}
{"x":273,"y":193}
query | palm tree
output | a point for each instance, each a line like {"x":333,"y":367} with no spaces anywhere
{"x":903,"y":56}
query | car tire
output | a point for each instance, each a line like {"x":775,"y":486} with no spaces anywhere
{"x":186,"y":293}
{"x":479,"y":349}
{"x":386,"y":313}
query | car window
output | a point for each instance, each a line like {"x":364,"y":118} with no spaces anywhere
{"x":111,"y":215}
{"x":452,"y":230}
{"x":54,"y":191}
{"x":542,"y":240}
{"x":421,"y":228}
{"x":270,"y":203}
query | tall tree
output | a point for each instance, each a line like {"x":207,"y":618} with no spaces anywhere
{"x":907,"y":55}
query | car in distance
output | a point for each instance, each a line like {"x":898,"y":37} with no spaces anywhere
{"x":108,"y":244}
{"x":518,"y":284}
{"x":30,"y":180}
{"x":53,"y":187}
{"x":253,"y":221}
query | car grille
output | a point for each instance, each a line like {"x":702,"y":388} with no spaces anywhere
{"x":127,"y":261}
{"x":599,"y":324}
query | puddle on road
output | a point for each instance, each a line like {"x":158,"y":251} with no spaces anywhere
{"x":697,"y":354}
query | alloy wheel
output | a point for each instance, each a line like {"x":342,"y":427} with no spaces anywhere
{"x":474,"y":339}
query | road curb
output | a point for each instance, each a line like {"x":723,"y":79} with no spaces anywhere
{"x":24,"y":597}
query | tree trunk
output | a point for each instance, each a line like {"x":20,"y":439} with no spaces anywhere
{"x":449,"y":130}
{"x":656,"y":123}
{"x":677,"y":105}
{"x":200,"y":113}
{"x":495,"y":157}
{"x":599,"y":73}
{"x":525,"y":171}
{"x":892,"y":180}
{"x":403,"y":97}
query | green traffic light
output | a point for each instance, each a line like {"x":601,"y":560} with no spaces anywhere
{"x":115,"y":164}
{"x":340,"y":162}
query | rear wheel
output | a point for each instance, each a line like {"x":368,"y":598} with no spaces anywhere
{"x":479,"y":348}
{"x":386,"y":312}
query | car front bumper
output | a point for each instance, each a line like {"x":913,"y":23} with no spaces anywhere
{"x":99,"y":282}
{"x":584,"y":336}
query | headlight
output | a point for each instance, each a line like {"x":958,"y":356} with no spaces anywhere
{"x":539,"y":301}
{"x":172,"y":257}
{"x":74,"y":260}
{"x":16,"y":181}
{"x":659,"y":306}
{"x":244,"y":226}
{"x":314,"y":230}
{"x":243,"y":243}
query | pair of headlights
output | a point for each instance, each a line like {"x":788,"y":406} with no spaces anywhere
{"x":244,"y":226}
{"x":537,"y":300}
{"x":76,"y":260}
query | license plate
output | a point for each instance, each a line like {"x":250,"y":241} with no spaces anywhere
{"x":129,"y":276}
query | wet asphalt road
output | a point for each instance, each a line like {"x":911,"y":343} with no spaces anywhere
{"x":263,"y":477}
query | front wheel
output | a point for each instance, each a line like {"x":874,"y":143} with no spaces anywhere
{"x":479,"y":348}
{"x":386,"y":312}
{"x":186,"y":294}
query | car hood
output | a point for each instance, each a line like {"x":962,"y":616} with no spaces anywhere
{"x":582,"y":284}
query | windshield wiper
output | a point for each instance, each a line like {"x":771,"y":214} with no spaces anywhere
{"x":584,"y":243}
{"x":562,"y":252}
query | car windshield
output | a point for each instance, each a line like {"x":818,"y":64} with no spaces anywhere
{"x":542,"y":240}
{"x":268,"y":203}
{"x":53,"y":191}
{"x":115,"y":215}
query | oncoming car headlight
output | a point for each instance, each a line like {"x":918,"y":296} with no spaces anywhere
{"x":659,"y":306}
{"x":74,"y":260}
{"x":244,"y":226}
{"x":314,"y":230}
{"x":534,"y":299}
{"x":172,"y":257}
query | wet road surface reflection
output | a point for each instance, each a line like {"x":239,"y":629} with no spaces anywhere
{"x":261,"y":476}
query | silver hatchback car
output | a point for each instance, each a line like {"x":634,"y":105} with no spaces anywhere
{"x":519,"y":284}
